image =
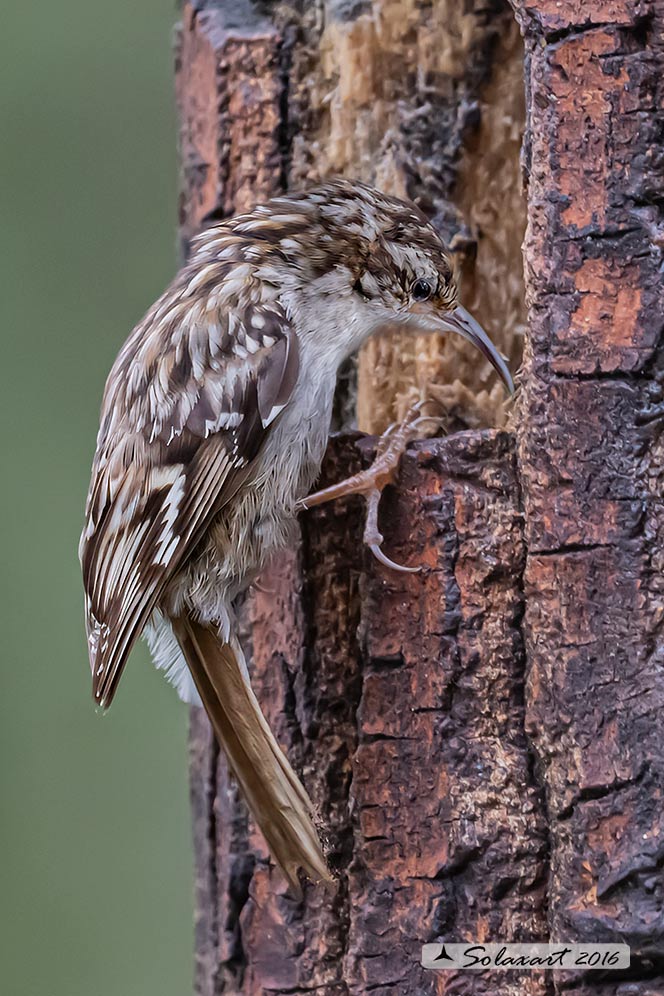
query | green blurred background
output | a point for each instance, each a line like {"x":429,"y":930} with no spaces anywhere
{"x":96,"y":891}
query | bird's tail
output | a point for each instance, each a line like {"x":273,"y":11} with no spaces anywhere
{"x":276,"y":798}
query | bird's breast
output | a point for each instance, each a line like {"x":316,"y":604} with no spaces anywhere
{"x":260,"y":520}
{"x":293,"y":453}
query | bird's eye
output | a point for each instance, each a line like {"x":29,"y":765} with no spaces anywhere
{"x":421,"y":290}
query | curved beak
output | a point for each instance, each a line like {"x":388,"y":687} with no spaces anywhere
{"x":462,"y":321}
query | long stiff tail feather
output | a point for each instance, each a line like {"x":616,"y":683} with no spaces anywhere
{"x":274,"y":794}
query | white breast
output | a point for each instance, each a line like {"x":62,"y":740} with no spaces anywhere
{"x":260,"y":520}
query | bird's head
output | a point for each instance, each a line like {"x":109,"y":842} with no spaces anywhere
{"x":365,"y":260}
{"x":407,"y":275}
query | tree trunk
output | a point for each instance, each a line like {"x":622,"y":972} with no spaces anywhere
{"x":480,"y":739}
{"x":591,"y":467}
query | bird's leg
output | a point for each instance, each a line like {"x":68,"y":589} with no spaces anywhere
{"x":370,"y":482}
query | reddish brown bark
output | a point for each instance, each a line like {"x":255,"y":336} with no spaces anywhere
{"x":470,"y":786}
{"x":590,"y":462}
{"x":229,"y":90}
{"x":400,"y":699}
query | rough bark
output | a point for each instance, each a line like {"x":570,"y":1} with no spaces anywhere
{"x":590,"y":462}
{"x":392,"y":694}
{"x":481,"y":739}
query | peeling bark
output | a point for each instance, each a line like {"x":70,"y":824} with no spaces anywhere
{"x":399,"y":93}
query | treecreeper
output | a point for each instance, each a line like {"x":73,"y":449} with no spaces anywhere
{"x":214,"y":423}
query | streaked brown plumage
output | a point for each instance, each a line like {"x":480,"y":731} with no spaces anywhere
{"x":213,"y":426}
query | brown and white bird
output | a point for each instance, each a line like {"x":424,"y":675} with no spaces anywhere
{"x":214,"y":423}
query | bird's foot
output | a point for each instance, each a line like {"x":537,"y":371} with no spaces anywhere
{"x":383,"y":471}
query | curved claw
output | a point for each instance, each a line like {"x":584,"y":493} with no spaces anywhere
{"x":384,"y":559}
{"x":438,"y":421}
{"x":373,"y":537}
{"x":370,"y":483}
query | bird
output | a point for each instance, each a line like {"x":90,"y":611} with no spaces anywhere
{"x":214,"y":423}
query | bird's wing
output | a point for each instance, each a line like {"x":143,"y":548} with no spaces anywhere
{"x":184,"y":415}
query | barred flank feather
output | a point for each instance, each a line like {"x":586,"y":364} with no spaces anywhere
{"x":167,"y":460}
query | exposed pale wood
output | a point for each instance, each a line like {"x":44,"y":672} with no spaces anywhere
{"x":400,"y":94}
{"x":390,"y":92}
